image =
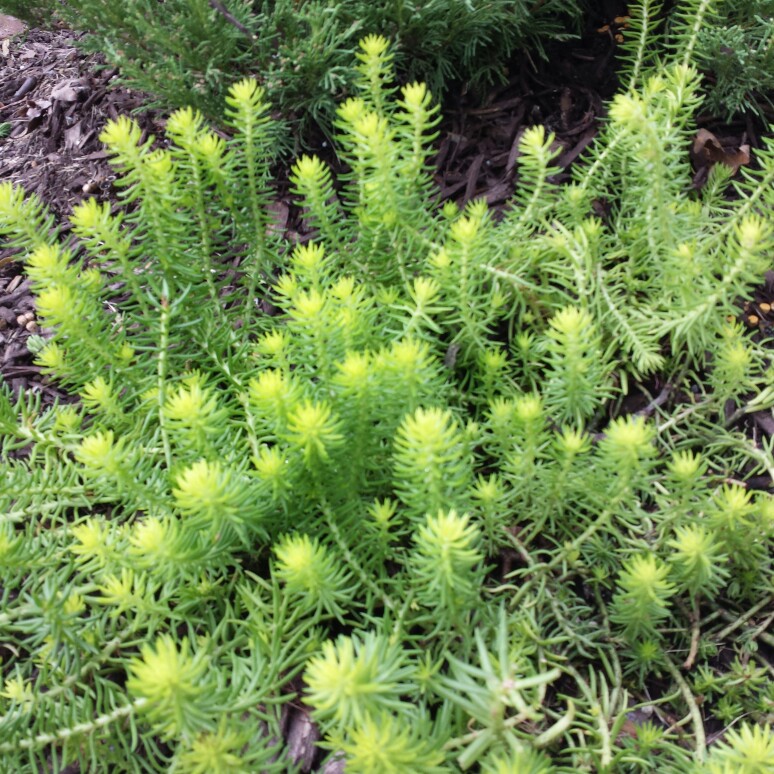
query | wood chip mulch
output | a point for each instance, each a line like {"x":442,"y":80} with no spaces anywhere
{"x":56,"y":100}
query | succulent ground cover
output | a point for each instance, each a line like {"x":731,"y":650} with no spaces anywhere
{"x":56,"y":99}
{"x":483,"y":151}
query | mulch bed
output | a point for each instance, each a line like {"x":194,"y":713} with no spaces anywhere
{"x":57,"y":100}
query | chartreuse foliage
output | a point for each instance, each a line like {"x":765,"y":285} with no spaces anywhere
{"x":412,"y":497}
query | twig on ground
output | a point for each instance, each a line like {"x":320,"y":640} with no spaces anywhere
{"x":229,"y":17}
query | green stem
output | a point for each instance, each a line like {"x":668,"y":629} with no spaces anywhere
{"x":597,"y":711}
{"x":257,"y":216}
{"x":161,"y":371}
{"x":365,"y":578}
{"x":79,"y":729}
{"x":742,"y":620}
{"x":700,"y":753}
{"x":560,"y":727}
{"x":206,"y":240}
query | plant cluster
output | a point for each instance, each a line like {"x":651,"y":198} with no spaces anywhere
{"x":733,"y":47}
{"x":188,"y":52}
{"x":411,"y":498}
{"x":738,"y":52}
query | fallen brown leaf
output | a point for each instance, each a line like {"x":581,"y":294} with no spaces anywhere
{"x":707,"y":151}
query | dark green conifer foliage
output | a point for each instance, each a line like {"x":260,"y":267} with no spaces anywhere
{"x":188,"y":52}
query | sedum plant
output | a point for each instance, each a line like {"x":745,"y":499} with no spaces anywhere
{"x":409,"y":503}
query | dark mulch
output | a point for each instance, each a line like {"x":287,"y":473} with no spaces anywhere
{"x":56,"y":100}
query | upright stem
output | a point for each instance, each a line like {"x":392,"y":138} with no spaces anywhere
{"x":161,"y":371}
{"x":700,"y":755}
